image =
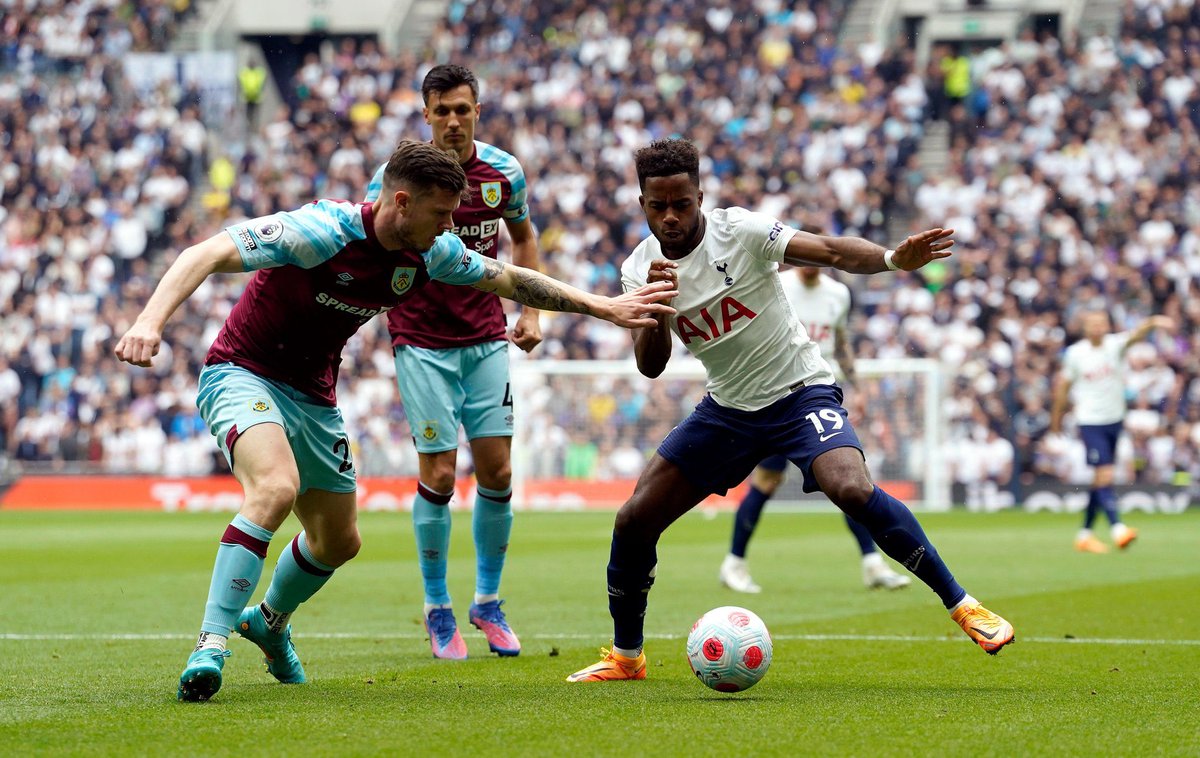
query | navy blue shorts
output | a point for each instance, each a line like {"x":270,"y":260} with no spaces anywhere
{"x":776,"y":463}
{"x":717,"y":448}
{"x":1101,"y":442}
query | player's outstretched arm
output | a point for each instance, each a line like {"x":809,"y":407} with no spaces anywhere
{"x":632,"y":310}
{"x":1142,"y":330}
{"x":859,"y":256}
{"x":217,"y":254}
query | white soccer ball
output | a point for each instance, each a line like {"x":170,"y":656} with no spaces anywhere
{"x":729,"y":649}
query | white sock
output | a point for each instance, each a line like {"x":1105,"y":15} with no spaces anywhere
{"x":276,"y":620}
{"x":1118,"y":530}
{"x":211,"y":641}
{"x":481,"y":599}
{"x":1084,"y":534}
{"x":430,"y":606}
{"x":628,"y":653}
{"x":967,"y":600}
{"x":734,"y":560}
{"x":872,"y":561}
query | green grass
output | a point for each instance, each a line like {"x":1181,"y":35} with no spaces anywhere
{"x":1127,"y":683}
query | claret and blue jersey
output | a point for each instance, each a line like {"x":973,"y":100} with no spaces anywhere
{"x":437,"y":318}
{"x":322,"y":274}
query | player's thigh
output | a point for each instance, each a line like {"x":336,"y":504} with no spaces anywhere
{"x":663,"y":493}
{"x":488,"y":403}
{"x":842,"y":475}
{"x":493,"y":456}
{"x":330,"y":521}
{"x":431,"y":391}
{"x":714,"y":448}
{"x":815,"y":433}
{"x":241,"y":407}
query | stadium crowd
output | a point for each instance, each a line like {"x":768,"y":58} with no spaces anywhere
{"x":1069,"y":185}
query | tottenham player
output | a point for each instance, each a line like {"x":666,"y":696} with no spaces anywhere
{"x":1094,"y":368}
{"x":769,"y":391}
{"x":822,"y":304}
{"x":267,"y":387}
{"x":452,"y":369}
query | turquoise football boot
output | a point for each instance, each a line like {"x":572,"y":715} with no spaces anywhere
{"x":201,"y":678}
{"x":280,"y":653}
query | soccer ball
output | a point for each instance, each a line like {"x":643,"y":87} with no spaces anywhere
{"x":729,"y":649}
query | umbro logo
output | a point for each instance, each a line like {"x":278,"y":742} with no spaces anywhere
{"x":431,"y":555}
{"x":240,"y":584}
{"x":345,"y":278}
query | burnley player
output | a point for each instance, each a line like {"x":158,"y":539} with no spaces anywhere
{"x":452,"y":369}
{"x":1094,"y":368}
{"x":267,"y":388}
{"x":769,"y":391}
{"x":822,"y":304}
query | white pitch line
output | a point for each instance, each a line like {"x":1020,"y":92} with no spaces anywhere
{"x":12,"y":637}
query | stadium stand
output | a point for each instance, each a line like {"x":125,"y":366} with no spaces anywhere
{"x":1071,"y":181}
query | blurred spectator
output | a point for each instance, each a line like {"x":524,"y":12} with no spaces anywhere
{"x":1072,"y":182}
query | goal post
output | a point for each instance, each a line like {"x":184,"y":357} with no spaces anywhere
{"x":584,"y":430}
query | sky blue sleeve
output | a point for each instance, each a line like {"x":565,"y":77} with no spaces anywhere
{"x":306,"y":237}
{"x":376,"y":185}
{"x":450,"y":261}
{"x":517,"y":208}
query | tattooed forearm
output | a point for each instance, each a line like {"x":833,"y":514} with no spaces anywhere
{"x":538,"y":291}
{"x":492,"y":269}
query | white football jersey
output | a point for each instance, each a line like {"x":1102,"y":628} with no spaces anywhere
{"x":823,"y":309}
{"x":731,"y":312}
{"x":1097,"y":376}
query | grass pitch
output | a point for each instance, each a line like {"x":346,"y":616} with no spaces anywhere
{"x":100,"y":610}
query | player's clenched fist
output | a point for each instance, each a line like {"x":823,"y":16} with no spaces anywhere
{"x":663,"y":271}
{"x":139,"y":345}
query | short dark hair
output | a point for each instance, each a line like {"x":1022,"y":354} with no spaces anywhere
{"x":419,"y":167}
{"x":668,"y":157}
{"x":447,"y":76}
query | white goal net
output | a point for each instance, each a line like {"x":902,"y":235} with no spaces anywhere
{"x":586,"y":428}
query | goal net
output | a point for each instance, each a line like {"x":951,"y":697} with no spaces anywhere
{"x":586,"y":428}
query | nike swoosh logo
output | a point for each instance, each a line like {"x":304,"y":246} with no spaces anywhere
{"x":990,"y":636}
{"x":825,"y":437}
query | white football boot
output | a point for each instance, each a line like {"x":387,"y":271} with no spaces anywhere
{"x":735,"y":575}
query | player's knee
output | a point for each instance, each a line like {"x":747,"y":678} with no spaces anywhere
{"x":630,"y":524}
{"x":346,"y":548}
{"x":274,"y":494}
{"x":442,"y":479}
{"x":337,"y":549}
{"x":498,"y":477}
{"x":850,"y":495}
{"x":767,"y":481}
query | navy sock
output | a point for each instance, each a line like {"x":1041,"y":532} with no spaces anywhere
{"x":630,"y":576}
{"x":865,"y":544}
{"x":746,"y":519}
{"x":897,"y":533}
{"x":1093,"y":507}
{"x":1106,"y":499}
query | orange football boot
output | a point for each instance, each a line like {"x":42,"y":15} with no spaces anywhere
{"x":612,"y":667}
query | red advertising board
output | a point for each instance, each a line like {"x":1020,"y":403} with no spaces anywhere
{"x":222,"y":493}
